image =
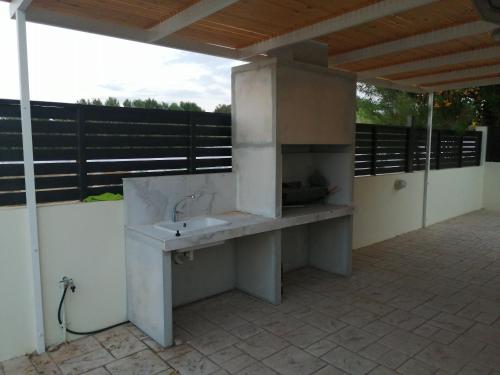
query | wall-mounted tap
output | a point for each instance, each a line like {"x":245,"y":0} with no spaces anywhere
{"x":176,"y":210}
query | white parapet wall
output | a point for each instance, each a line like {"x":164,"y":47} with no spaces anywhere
{"x":85,"y":241}
{"x":491,"y":191}
{"x":382,"y":212}
{"x":81,"y":240}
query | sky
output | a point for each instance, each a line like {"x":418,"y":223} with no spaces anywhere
{"x":66,"y":65}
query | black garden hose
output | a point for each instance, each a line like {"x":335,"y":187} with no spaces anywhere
{"x":81,"y":333}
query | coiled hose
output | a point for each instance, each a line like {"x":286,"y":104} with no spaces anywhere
{"x":76,"y":332}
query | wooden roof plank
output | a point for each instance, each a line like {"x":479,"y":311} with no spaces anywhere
{"x":488,"y":81}
{"x":186,"y":17}
{"x":416,"y":41}
{"x":341,"y":22}
{"x":456,"y":58}
{"x":453,"y":75}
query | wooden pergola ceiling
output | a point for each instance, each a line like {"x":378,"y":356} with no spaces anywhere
{"x":415,"y":45}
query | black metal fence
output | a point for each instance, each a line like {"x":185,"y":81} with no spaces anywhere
{"x":382,"y":149}
{"x":493,"y":153}
{"x":82,"y":150}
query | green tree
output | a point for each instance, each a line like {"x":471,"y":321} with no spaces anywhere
{"x":190,"y":106}
{"x":127,"y":103}
{"x":112,"y":102}
{"x":96,"y":101}
{"x":223,"y":108}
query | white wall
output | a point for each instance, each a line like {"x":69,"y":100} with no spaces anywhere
{"x":491,"y":192}
{"x":382,"y":212}
{"x":16,"y":294}
{"x":82,"y":241}
{"x":85,"y":241}
{"x":454,"y":192}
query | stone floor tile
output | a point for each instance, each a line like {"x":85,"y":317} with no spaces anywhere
{"x":304,"y":336}
{"x":175,"y":351}
{"x":142,"y":363}
{"x":181,"y":335}
{"x":225,"y":354}
{"x":405,"y":341}
{"x":373,"y":306}
{"x":213,"y":341}
{"x":485,"y":333}
{"x":348,"y":361}
{"x":352,"y":338}
{"x":238,"y":363}
{"x":19,"y":366}
{"x":98,"y":371}
{"x":321,"y":347}
{"x":45,"y":365}
{"x":218,"y":372}
{"x":293,"y":361}
{"x":85,"y":362}
{"x":425,"y":312}
{"x":262,"y":345}
{"x":136,"y":331}
{"x":193,"y":363}
{"x":74,"y":349}
{"x":475,"y":368}
{"x":120,"y":342}
{"x":466,"y":347}
{"x":246,"y":330}
{"x":323,"y":322}
{"x":359,"y":317}
{"x":196,"y":326}
{"x":379,"y":328}
{"x":403,"y":319}
{"x":442,"y":357}
{"x":415,"y":367}
{"x":227,"y":321}
{"x":256,"y":369}
{"x":426,"y":330}
{"x":381,"y":370}
{"x":443,"y":336}
{"x":451,"y":322}
{"x":374,"y":351}
{"x":392,"y":359}
{"x":490,"y":356}
{"x":279,"y":324}
{"x":330,"y":370}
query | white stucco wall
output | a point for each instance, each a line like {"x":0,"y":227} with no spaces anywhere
{"x":382,"y":212}
{"x":491,"y":192}
{"x":85,"y":241}
{"x":16,"y":292}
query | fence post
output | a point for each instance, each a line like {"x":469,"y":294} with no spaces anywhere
{"x":410,"y":148}
{"x":438,"y":150}
{"x":374,"y":150}
{"x":82,"y":154}
{"x":461,"y":151}
{"x":479,"y":147}
{"x":192,"y":144}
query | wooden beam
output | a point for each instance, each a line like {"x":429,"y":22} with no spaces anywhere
{"x":454,"y":75}
{"x":434,"y":62}
{"x":186,"y":17}
{"x":52,"y":18}
{"x":357,"y":17}
{"x":393,"y":85}
{"x":416,"y":41}
{"x":16,"y":5}
{"x":466,"y":84}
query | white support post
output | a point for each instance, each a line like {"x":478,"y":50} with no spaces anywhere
{"x":430,"y":110}
{"x":29,"y":176}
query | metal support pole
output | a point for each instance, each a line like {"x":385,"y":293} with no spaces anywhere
{"x":29,"y":176}
{"x":427,"y":157}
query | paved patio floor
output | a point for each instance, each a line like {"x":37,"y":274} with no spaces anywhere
{"x":427,"y":302}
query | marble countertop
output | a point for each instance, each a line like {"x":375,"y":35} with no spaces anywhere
{"x":240,"y":224}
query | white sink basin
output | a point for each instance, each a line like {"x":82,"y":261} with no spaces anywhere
{"x":190,"y":225}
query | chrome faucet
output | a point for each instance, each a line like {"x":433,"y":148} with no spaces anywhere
{"x":176,"y":210}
